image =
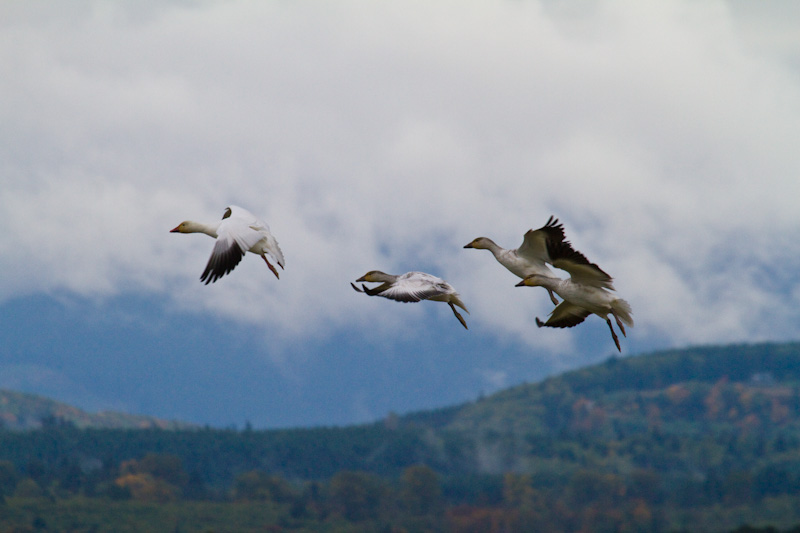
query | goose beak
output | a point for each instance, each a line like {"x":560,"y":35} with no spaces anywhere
{"x":521,"y":284}
{"x":175,"y":230}
{"x":468,"y":245}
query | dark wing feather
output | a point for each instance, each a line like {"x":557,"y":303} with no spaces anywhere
{"x":580,"y":269}
{"x":535,"y":242}
{"x":224,"y":258}
{"x":553,"y":229}
{"x":565,"y":315}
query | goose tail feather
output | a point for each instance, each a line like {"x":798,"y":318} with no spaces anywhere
{"x":622,"y":310}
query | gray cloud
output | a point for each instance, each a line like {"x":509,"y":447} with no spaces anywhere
{"x":388,"y":136}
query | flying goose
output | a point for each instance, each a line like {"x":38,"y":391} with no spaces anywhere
{"x":238,"y":232}
{"x":586,"y":291}
{"x":531,"y":256}
{"x":412,"y":287}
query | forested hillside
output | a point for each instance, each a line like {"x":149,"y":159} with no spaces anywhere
{"x":704,"y":439}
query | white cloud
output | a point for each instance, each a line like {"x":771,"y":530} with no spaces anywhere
{"x":388,"y":136}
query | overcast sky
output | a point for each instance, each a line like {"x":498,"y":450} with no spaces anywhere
{"x":386,"y":135}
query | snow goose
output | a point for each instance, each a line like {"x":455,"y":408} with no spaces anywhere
{"x":412,"y":287}
{"x":586,"y":291}
{"x":531,"y":256}
{"x":238,"y":232}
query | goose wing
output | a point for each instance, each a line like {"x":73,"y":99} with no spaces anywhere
{"x":580,"y":269}
{"x":565,"y":315}
{"x":414,"y":287}
{"x":234,"y":238}
{"x":534,"y":243}
{"x":224,"y":258}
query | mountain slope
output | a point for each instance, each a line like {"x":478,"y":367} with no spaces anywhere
{"x":766,"y":369}
{"x":21,"y":411}
{"x":682,"y":413}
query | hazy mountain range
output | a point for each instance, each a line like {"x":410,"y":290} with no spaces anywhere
{"x":768,"y":369}
{"x":21,"y":411}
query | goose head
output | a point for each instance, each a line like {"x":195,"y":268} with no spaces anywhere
{"x":189,"y":226}
{"x":376,"y":276}
{"x":481,"y":243}
{"x":536,"y":280}
{"x":183,"y":227}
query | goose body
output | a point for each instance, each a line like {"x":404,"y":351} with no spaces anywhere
{"x":532,"y":256}
{"x":412,"y":287}
{"x":587,"y":291}
{"x":238,"y":232}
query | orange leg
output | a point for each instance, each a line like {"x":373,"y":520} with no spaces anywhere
{"x":270,"y":266}
{"x":458,"y":315}
{"x":619,"y":323}
{"x":614,"y":335}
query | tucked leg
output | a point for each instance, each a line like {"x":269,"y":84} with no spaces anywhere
{"x":539,"y":323}
{"x":552,"y":297}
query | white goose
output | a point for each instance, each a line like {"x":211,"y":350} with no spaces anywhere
{"x":412,"y":287}
{"x":586,"y":291}
{"x":531,"y":257}
{"x":238,"y":232}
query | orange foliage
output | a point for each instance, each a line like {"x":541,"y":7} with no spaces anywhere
{"x":678,"y":394}
{"x":468,"y":519}
{"x":145,"y":487}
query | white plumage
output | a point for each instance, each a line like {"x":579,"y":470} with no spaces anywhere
{"x":238,"y":232}
{"x":585,"y":292}
{"x":532,"y":255}
{"x":412,"y":287}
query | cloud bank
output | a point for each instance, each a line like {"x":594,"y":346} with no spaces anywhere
{"x":386,"y":136}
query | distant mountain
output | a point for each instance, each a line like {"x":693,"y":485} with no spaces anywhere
{"x":754,"y":370}
{"x":21,"y":411}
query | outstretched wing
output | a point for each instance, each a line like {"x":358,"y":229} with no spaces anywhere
{"x":565,"y":315}
{"x":534,"y":243}
{"x":580,"y":269}
{"x":234,"y":238}
{"x":224,"y":258}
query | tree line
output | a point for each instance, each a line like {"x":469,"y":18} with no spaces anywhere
{"x":703,"y":439}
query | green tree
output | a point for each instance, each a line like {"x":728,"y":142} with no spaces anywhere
{"x":590,"y":486}
{"x":167,"y":467}
{"x":356,"y":496}
{"x":28,"y":488}
{"x":421,"y":492}
{"x":8,"y":478}
{"x":260,"y":486}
